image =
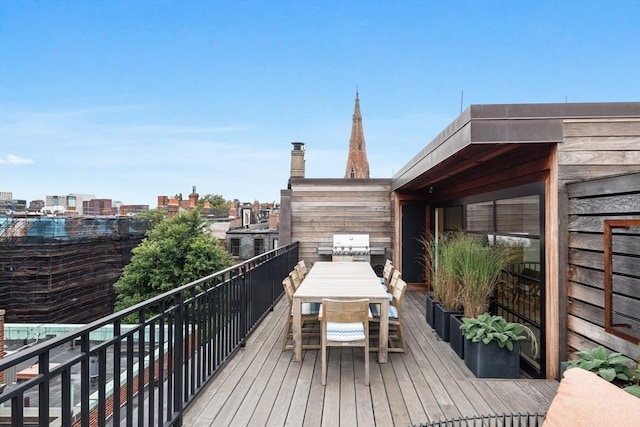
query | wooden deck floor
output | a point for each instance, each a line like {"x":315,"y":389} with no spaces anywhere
{"x":262,"y":386}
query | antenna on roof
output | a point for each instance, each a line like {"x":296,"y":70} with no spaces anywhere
{"x":461,"y":99}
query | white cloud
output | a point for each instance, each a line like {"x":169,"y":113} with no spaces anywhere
{"x":12,"y":159}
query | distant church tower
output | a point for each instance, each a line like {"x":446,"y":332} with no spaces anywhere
{"x":357,"y":164}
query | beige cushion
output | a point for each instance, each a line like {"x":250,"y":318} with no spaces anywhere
{"x":585,"y":399}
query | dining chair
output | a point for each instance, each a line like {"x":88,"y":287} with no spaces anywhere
{"x":303,"y":267}
{"x":295,"y":278}
{"x":386,"y":274}
{"x":395,"y":276}
{"x":344,"y":323}
{"x":301,"y":272}
{"x":396,"y":328}
{"x":310,"y":320}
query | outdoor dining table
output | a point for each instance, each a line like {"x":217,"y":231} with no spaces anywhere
{"x":341,"y":280}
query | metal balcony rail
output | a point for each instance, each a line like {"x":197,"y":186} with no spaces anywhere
{"x":161,"y":354}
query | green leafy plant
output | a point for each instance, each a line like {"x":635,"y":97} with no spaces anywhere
{"x":634,"y":388}
{"x":610,"y":366}
{"x":487,"y":328}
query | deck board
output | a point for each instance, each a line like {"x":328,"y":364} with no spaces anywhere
{"x":263,"y":386}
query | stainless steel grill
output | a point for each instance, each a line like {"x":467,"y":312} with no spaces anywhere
{"x":351,"y":247}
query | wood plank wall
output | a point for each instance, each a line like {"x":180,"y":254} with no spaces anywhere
{"x":321,"y":208}
{"x":595,"y":154}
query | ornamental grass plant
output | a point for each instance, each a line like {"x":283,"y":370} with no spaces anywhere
{"x":443,"y":256}
{"x":479,"y":268}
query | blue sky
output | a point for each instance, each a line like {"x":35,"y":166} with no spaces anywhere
{"x":129,"y":100}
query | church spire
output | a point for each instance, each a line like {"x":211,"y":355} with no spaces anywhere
{"x":357,"y":164}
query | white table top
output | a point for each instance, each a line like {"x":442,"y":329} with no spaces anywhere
{"x":341,"y":280}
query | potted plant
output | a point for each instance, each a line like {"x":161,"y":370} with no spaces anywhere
{"x":491,"y":347}
{"x":480,"y":266}
{"x":444,"y":256}
{"x":429,"y":262}
{"x":456,"y":338}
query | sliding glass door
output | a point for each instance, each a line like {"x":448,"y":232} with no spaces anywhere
{"x":514,"y":216}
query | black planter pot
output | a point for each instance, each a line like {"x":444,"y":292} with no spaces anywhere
{"x":563,"y":367}
{"x":441,"y":321}
{"x":429,"y":309}
{"x":456,"y":337}
{"x":491,"y":361}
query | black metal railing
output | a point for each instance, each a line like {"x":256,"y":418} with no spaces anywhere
{"x":145,"y":373}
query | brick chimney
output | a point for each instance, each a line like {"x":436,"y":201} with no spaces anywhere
{"x":274,"y":220}
{"x":297,"y":160}
{"x":162,"y":201}
{"x":172,"y":208}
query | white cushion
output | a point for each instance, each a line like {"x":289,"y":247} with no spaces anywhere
{"x":309,"y":308}
{"x":375,"y":311}
{"x":337,"y":331}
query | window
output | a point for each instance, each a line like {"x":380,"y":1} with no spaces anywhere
{"x":513,"y":216}
{"x":235,"y":247}
{"x":453,"y":218}
{"x":258,"y":246}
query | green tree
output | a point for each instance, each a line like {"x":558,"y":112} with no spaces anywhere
{"x":219,"y":205}
{"x":175,"y":252}
{"x":152,"y":217}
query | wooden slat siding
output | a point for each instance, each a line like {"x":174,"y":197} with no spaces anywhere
{"x":261,"y":385}
{"x":595,"y":242}
{"x":574,"y":173}
{"x":589,"y":224}
{"x":595,"y":278}
{"x":594,"y":128}
{"x":621,"y":264}
{"x":611,"y":142}
{"x":322,"y":208}
{"x":620,"y":204}
{"x":600,"y":157}
{"x":596,"y":153}
{"x":600,"y":337}
{"x":588,"y":312}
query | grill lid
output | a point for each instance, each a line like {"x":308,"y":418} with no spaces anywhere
{"x":351,"y":244}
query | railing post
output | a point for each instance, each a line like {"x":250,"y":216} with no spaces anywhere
{"x":243,"y":304}
{"x":84,"y":380}
{"x":43,"y":390}
{"x":178,"y":351}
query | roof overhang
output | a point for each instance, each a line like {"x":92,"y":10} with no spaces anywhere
{"x":484,"y":132}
